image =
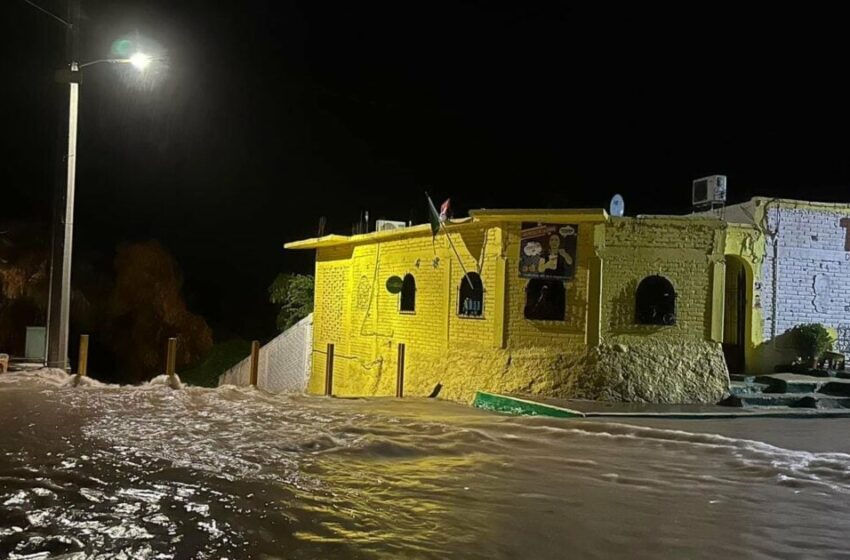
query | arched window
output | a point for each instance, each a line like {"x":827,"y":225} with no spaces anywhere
{"x":655,"y":302}
{"x":470,"y":301}
{"x":408,"y":294}
{"x":545,"y":300}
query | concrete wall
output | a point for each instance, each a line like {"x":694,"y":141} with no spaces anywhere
{"x":284,"y":363}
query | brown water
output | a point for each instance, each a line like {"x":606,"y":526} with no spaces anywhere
{"x":151,"y":472}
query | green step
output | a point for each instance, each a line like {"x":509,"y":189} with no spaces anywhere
{"x":518,"y":406}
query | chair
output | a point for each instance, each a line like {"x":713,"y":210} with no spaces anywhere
{"x":833,"y":360}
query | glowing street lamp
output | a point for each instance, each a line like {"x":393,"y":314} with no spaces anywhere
{"x":57,"y":326}
{"x":140,"y":61}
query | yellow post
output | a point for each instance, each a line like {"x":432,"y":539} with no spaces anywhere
{"x":83,"y":361}
{"x":171,"y":359}
{"x":255,"y":361}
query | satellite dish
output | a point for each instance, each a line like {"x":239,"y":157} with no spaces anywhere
{"x":617,"y":206}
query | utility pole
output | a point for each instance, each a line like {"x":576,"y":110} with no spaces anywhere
{"x":59,"y":304}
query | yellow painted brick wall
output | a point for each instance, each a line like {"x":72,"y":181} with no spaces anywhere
{"x":679,"y":249}
{"x":564,"y":335}
{"x":332,"y":273}
{"x":355,"y":311}
{"x":504,"y":351}
{"x":480,"y":249}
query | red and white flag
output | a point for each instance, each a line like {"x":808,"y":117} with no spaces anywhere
{"x":446,"y":210}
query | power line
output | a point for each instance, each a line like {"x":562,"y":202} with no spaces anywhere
{"x":51,"y":14}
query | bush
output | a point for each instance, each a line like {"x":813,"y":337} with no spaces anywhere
{"x":221,"y":357}
{"x":811,"y":340}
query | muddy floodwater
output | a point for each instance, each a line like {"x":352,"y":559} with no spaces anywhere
{"x":154,"y":473}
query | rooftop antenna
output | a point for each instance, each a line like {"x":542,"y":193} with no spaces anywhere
{"x":617,"y":207}
{"x":323,"y":222}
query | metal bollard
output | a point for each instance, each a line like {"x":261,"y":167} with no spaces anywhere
{"x":329,"y":372}
{"x":399,"y":380}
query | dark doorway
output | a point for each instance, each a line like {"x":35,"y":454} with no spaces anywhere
{"x":545,"y":300}
{"x":735,"y":315}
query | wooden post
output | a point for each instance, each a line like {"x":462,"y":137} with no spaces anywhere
{"x":255,"y":361}
{"x":399,"y":379}
{"x":171,"y":359}
{"x":329,"y":372}
{"x":83,"y":360}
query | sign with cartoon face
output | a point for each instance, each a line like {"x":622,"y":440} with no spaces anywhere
{"x":548,"y":250}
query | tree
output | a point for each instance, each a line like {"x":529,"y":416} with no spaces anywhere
{"x":23,"y":283}
{"x":294,"y":294}
{"x":146,"y":307}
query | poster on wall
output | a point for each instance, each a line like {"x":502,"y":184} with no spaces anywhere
{"x":547,"y":250}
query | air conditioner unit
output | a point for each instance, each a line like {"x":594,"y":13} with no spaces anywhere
{"x":709,"y":190}
{"x":387,"y":225}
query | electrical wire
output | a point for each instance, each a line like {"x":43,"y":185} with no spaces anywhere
{"x":51,"y":14}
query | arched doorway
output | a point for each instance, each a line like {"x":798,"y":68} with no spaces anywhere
{"x":736,"y":313}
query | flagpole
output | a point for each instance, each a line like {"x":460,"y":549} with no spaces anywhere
{"x":436,"y":217}
{"x":459,"y":260}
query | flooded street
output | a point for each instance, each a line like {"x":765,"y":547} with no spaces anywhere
{"x":150,"y":472}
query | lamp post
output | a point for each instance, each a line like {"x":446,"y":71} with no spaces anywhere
{"x":59,"y":305}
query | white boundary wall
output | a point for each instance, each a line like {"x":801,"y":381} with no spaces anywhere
{"x":284,"y":365}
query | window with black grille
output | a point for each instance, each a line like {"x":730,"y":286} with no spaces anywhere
{"x":545,"y":300}
{"x":655,"y":302}
{"x":470,"y":301}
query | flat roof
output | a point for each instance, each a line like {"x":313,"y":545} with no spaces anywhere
{"x":485,"y":215}
{"x":540,"y":214}
{"x":334,"y":240}
{"x":582,"y":215}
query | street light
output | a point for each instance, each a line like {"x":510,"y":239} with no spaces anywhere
{"x":140,"y":61}
{"x":57,"y":330}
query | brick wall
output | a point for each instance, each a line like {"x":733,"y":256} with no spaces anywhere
{"x":369,"y":325}
{"x":806,"y":270}
{"x":502,"y":350}
{"x":680,"y":250}
{"x":568,"y":334}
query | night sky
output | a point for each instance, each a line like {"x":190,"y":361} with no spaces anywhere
{"x":268,"y":115}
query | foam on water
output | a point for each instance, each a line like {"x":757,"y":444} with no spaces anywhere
{"x":785,"y":465}
{"x":150,"y":472}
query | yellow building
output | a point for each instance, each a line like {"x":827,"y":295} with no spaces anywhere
{"x":571,"y":303}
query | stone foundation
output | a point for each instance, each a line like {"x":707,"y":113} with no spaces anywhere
{"x":657,"y":372}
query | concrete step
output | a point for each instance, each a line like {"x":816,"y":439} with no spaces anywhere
{"x":791,"y":400}
{"x":747,"y":388}
{"x":821,"y":402}
{"x":795,"y":383}
{"x":790,"y":383}
{"x":838,"y":388}
{"x":842,"y":374}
